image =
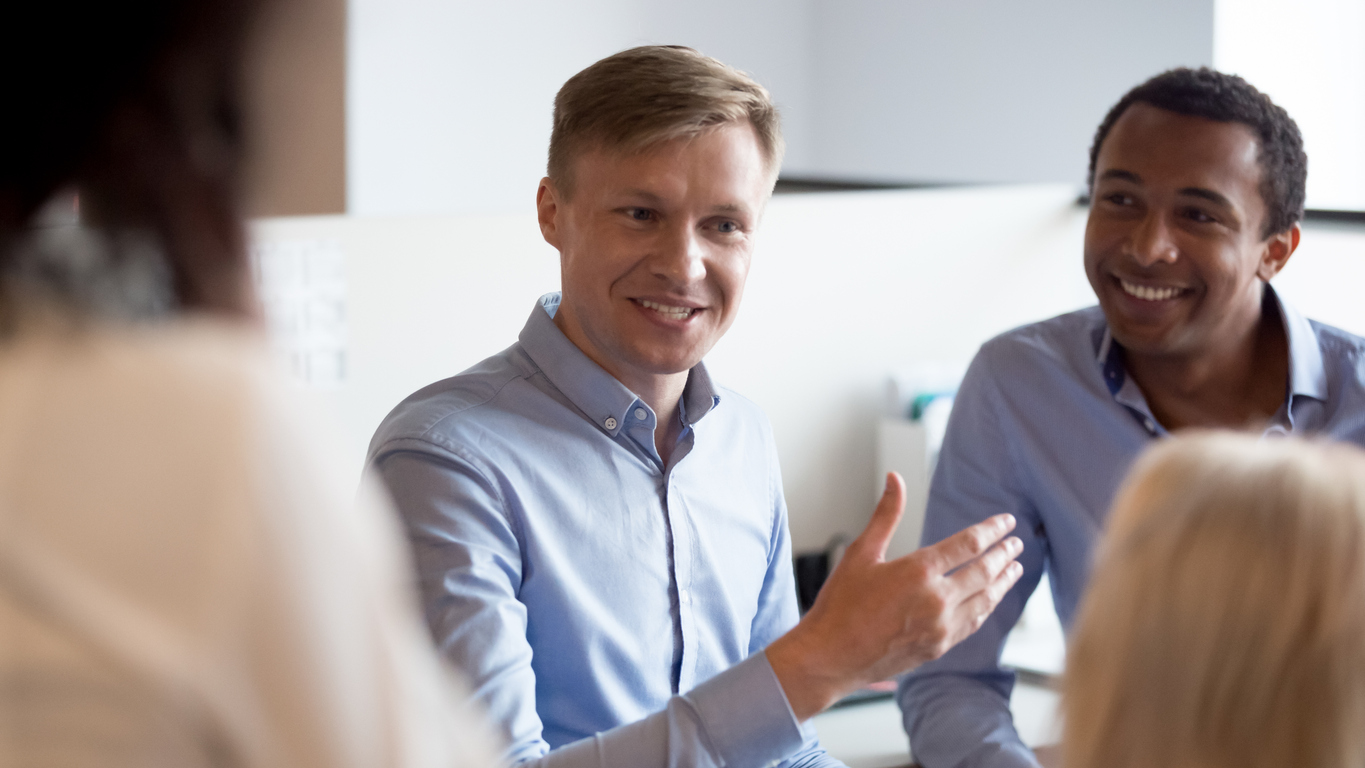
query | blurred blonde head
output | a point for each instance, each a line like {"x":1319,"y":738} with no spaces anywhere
{"x":1225,"y":620}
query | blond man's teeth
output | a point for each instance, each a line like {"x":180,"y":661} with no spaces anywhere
{"x":1147,"y":292}
{"x":672,"y":313}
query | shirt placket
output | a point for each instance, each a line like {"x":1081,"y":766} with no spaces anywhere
{"x":676,"y":510}
{"x":640,"y":424}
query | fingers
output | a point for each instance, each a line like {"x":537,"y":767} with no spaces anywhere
{"x":983,"y":571}
{"x":872,"y":542}
{"x":974,"y":611}
{"x":965,"y":545}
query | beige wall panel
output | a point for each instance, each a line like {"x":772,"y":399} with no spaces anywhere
{"x":297,"y":83}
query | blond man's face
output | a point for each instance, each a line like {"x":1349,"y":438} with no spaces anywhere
{"x":655,"y":248}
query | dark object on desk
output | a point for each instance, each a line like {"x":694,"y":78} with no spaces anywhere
{"x":1036,"y":678}
{"x":812,"y":568}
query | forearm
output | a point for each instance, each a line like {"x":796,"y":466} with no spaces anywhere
{"x":955,"y":719}
{"x":739,"y":717}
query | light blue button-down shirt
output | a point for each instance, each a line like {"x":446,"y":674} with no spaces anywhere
{"x":1044,"y":427}
{"x":610,"y":608}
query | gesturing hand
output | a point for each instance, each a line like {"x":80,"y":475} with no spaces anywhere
{"x":876,"y":618}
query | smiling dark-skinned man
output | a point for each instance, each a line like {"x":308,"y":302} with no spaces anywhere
{"x":1197,"y":187}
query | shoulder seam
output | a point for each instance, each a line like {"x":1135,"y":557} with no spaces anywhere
{"x":470,"y":406}
{"x":457,"y":452}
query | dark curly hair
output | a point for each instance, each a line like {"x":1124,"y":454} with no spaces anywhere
{"x":1226,"y":98}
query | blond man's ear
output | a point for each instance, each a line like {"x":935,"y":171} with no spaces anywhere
{"x":548,"y":210}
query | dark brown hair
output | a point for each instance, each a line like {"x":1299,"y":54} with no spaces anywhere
{"x":137,"y":106}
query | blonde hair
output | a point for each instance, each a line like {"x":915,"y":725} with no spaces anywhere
{"x":1225,"y":620}
{"x":640,"y":97}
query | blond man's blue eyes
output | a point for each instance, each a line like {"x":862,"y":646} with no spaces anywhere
{"x":645,"y":214}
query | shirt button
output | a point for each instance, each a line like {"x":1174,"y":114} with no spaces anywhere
{"x":685,"y":599}
{"x":640,"y":414}
{"x":1149,"y":425}
{"x":610,"y":423}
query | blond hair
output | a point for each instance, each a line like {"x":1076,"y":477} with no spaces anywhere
{"x":1225,"y":620}
{"x":640,"y":97}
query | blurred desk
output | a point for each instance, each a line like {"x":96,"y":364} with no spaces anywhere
{"x":869,"y":735}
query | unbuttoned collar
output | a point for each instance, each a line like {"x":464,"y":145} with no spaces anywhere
{"x":1307,"y":376}
{"x":596,"y":393}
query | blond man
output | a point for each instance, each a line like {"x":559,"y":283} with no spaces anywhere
{"x":599,"y":526}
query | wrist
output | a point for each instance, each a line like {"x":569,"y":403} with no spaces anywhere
{"x":803,"y":672}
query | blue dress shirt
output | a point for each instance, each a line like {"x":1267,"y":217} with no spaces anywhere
{"x":1044,"y":427}
{"x":610,"y":608}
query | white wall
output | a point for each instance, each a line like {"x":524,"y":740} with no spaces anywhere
{"x":845,"y":289}
{"x":1325,"y":275}
{"x":1309,"y":56}
{"x":985,"y":90}
{"x":449,"y":103}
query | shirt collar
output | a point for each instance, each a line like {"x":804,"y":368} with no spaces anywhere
{"x":1307,"y":375}
{"x":1124,"y":390}
{"x":598,"y":394}
{"x":1111,"y":362}
{"x":700,"y":395}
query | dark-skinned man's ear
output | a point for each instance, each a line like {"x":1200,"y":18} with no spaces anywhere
{"x":1279,"y":248}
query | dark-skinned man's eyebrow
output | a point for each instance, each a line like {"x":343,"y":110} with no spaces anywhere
{"x":1121,"y":175}
{"x":1206,"y":194}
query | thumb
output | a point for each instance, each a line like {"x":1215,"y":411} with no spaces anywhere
{"x":872,"y":542}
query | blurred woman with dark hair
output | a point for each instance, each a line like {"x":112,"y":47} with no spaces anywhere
{"x":182,"y":580}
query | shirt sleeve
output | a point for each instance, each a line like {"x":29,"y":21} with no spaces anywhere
{"x":956,"y":708}
{"x":317,"y":649}
{"x":469,"y":561}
